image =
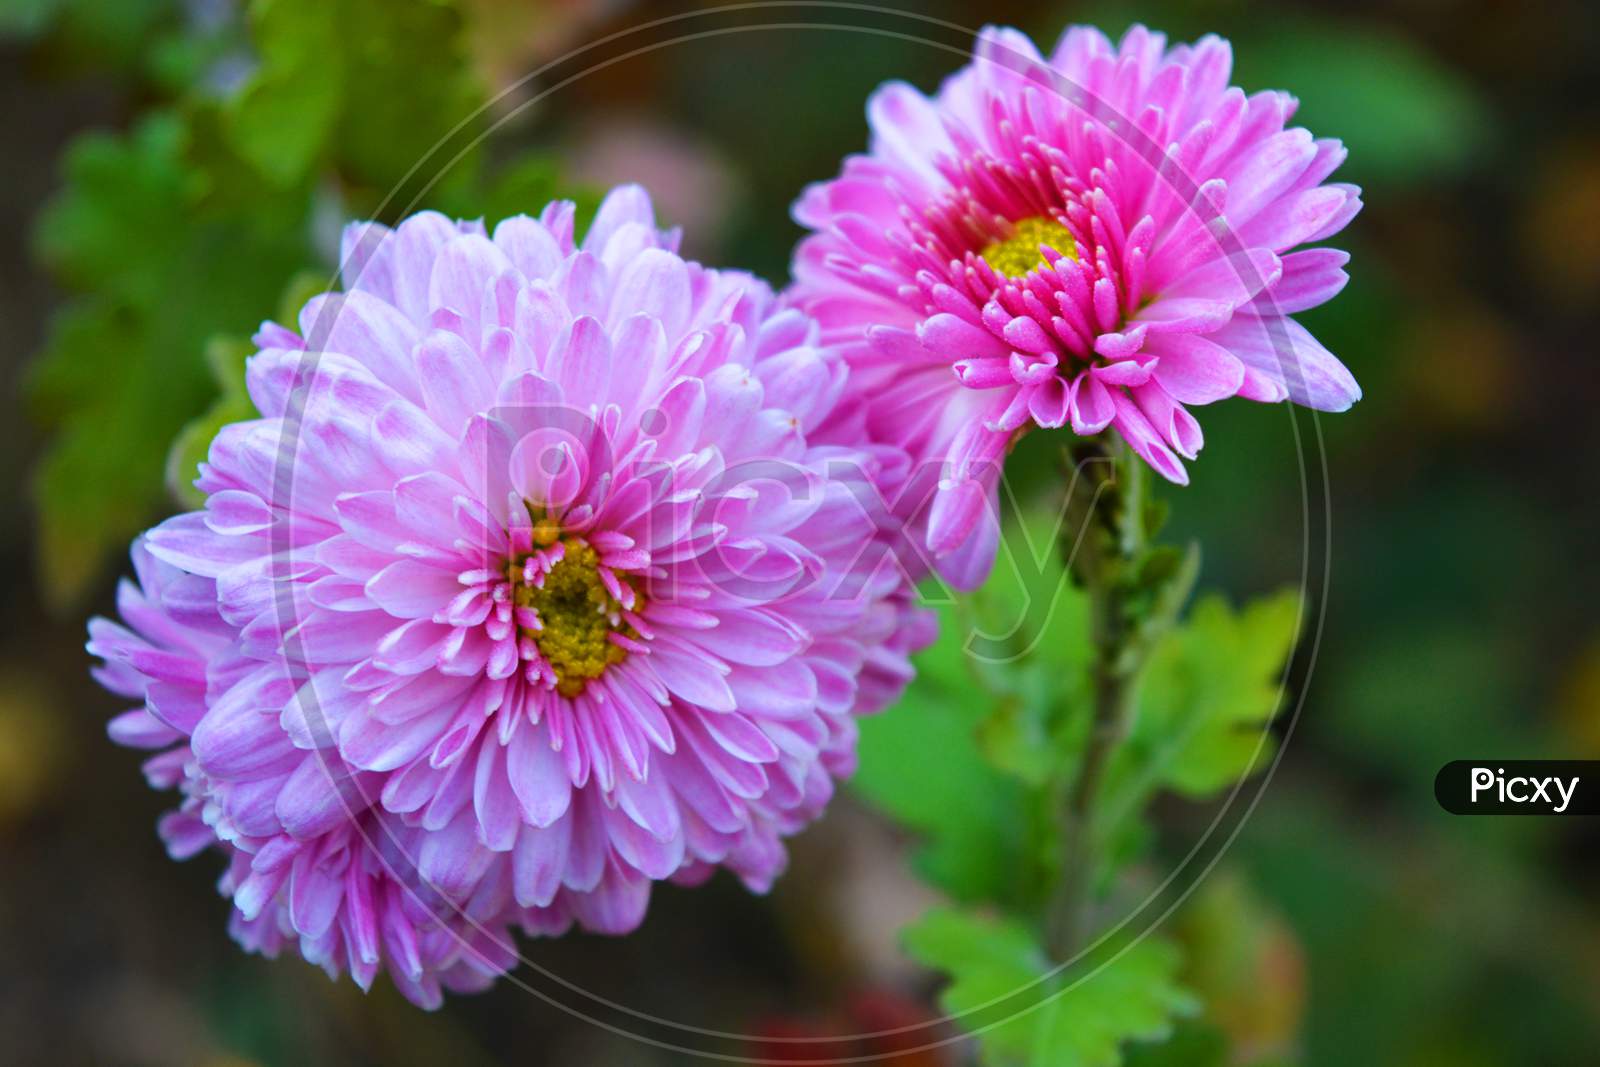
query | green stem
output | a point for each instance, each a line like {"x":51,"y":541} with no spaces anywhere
{"x":1107,"y":506}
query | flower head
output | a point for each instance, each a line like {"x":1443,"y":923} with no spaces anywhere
{"x":1100,"y":239}
{"x":544,"y":576}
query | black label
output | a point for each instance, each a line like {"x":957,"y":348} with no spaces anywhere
{"x":1519,"y":787}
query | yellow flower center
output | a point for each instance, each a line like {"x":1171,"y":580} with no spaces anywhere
{"x":1018,"y":254}
{"x":578,"y":615}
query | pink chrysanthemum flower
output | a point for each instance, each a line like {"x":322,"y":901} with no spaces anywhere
{"x":1100,"y":239}
{"x":332,"y":882}
{"x":545,"y":575}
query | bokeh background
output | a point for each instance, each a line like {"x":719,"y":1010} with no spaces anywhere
{"x":1352,"y":922}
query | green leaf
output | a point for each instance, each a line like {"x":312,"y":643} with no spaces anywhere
{"x":1002,"y":989}
{"x":412,"y":104}
{"x":94,"y":483}
{"x":385,"y":91}
{"x":1014,"y":737}
{"x":284,"y":114}
{"x":226,"y":357}
{"x":1028,"y":611}
{"x":967,"y":757}
{"x":996,"y":706}
{"x":1194,"y":1043}
{"x":920,"y":765}
{"x":991,"y":963}
{"x":526,"y":186}
{"x":1025,"y":632}
{"x":110,"y":229}
{"x":123,"y":368}
{"x":1208,"y":695}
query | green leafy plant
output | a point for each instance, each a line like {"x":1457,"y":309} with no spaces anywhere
{"x":1062,"y":699}
{"x":176,"y":235}
{"x":1027,"y":1011}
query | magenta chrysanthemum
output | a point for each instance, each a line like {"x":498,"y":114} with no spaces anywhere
{"x":1100,"y":239}
{"x":546,"y":574}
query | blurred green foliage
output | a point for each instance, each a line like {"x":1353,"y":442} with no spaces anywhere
{"x":178,"y":235}
{"x":1403,"y":116}
{"x":158,"y":274}
{"x":225,"y":357}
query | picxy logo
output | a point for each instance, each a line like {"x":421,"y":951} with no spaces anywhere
{"x":1522,"y":789}
{"x":1518,"y":787}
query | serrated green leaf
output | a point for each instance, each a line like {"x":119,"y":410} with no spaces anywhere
{"x":1206,"y":700}
{"x":379,"y":88}
{"x":110,"y":228}
{"x":997,"y":986}
{"x":1134,"y":998}
{"x":1001,"y":988}
{"x":92,"y":484}
{"x":987,"y":959}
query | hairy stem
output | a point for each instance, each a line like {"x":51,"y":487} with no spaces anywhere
{"x":1105,"y":540}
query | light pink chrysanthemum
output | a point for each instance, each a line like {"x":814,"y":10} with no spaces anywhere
{"x":546,"y":574}
{"x":1100,"y":239}
{"x":340,"y":889}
